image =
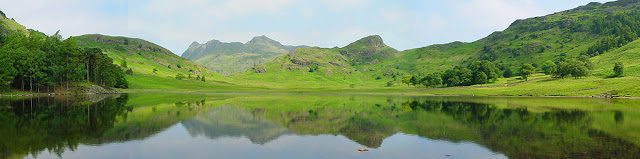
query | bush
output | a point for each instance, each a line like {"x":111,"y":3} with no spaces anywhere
{"x":618,"y":69}
{"x":180,"y":76}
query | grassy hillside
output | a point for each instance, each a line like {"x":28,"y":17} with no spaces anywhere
{"x":235,"y":57}
{"x":533,"y":40}
{"x":143,"y":56}
{"x":10,"y":26}
{"x":367,"y":61}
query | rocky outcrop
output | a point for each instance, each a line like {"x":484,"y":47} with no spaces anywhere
{"x":94,"y":89}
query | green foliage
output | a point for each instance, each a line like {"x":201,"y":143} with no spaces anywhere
{"x":458,"y":76}
{"x":7,"y":71}
{"x":482,"y":78}
{"x":407,"y":80}
{"x":548,"y":67}
{"x":180,"y":76}
{"x":526,"y":70}
{"x":507,"y":73}
{"x":202,"y":79}
{"x":619,"y":29}
{"x":155,"y":70}
{"x":432,"y":80}
{"x":414,"y":80}
{"x":618,"y":69}
{"x":577,"y":69}
{"x":587,"y":62}
{"x":390,"y":83}
{"x":129,"y":72}
{"x":123,"y":64}
{"x":485,"y":67}
{"x":43,"y":61}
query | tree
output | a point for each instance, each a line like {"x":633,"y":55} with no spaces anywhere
{"x":180,"y":76}
{"x":482,"y":78}
{"x":414,"y":80}
{"x":561,"y":70}
{"x":129,"y":72}
{"x":526,"y":70}
{"x":432,"y":80}
{"x":6,"y":71}
{"x":586,"y":61}
{"x":123,"y":63}
{"x":548,"y":67}
{"x":458,"y":76}
{"x":390,"y":83}
{"x":577,"y":69}
{"x":407,"y":80}
{"x":202,"y":79}
{"x":486,"y":67}
{"x":618,"y":69}
{"x":155,"y":70}
{"x":188,"y":76}
{"x":507,"y":73}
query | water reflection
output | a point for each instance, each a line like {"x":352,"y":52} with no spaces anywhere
{"x":229,"y":121}
{"x":329,"y":126}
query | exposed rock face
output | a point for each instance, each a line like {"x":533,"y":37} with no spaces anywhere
{"x":260,"y":69}
{"x":94,"y":89}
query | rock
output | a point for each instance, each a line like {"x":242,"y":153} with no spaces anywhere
{"x":259,"y":69}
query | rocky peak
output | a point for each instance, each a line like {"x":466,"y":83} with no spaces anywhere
{"x":263,"y":40}
{"x":369,"y":41}
{"x":194,"y":44}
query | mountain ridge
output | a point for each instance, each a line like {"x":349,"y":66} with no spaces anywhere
{"x":234,"y":57}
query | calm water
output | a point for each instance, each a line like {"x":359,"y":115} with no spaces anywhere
{"x":317,"y":126}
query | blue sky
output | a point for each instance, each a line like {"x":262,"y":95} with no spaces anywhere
{"x":174,"y":24}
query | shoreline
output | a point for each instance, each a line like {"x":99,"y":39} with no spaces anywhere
{"x":310,"y":93}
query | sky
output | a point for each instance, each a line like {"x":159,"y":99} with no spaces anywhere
{"x":175,"y":24}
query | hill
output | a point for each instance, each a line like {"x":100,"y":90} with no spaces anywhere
{"x":566,"y":34}
{"x":143,"y":56}
{"x":235,"y":57}
{"x":357,"y":63}
{"x":10,"y":26}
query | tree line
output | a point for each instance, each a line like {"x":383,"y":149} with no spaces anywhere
{"x":41,"y":63}
{"x":619,"y":29}
{"x":483,"y":72}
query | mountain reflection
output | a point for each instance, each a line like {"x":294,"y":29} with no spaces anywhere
{"x":229,"y":121}
{"x":526,"y":130}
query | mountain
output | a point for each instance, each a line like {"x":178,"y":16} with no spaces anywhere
{"x":235,"y":57}
{"x":590,"y":30}
{"x":9,"y":26}
{"x":566,"y":34}
{"x":143,"y":56}
{"x":358,"y":62}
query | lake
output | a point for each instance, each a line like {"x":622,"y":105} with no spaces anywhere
{"x":317,"y":126}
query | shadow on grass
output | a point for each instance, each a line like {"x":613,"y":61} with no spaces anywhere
{"x":612,"y":76}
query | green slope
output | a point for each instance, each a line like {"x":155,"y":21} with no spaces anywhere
{"x":143,"y":56}
{"x":533,"y":40}
{"x":235,"y":57}
{"x":8,"y":26}
{"x":358,"y":63}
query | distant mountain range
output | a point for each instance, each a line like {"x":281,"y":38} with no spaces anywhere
{"x":235,"y":57}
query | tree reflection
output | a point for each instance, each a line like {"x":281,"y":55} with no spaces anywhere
{"x":35,"y":124}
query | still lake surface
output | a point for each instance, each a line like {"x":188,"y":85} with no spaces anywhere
{"x":317,"y":126}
